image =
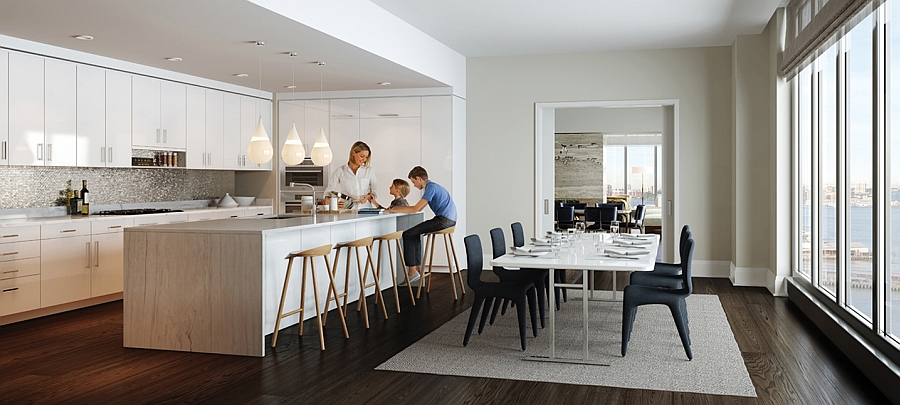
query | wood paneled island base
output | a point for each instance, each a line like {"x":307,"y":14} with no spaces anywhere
{"x":214,"y":286}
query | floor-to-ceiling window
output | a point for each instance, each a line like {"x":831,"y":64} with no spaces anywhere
{"x":634,"y":165}
{"x":847,"y":165}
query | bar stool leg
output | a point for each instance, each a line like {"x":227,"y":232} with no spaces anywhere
{"x":362,"y":292}
{"x":462,"y":285}
{"x":393,"y":272}
{"x":303,"y":298}
{"x":378,"y":296}
{"x":403,"y":267}
{"x":422,"y":272}
{"x":333,"y":289}
{"x":316,"y":295}
{"x":287,"y":277}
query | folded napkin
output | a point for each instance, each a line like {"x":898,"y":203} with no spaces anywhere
{"x":633,"y":236}
{"x":616,"y":256}
{"x":540,"y":241}
{"x":626,"y":251}
{"x":634,"y":242}
{"x":532,"y":249}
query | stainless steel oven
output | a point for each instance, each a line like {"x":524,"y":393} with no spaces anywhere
{"x":304,"y":173}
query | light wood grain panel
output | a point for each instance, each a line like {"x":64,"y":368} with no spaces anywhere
{"x":237,"y":296}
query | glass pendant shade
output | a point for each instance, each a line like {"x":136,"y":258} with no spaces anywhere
{"x":321,"y":153}
{"x":260,"y":149}
{"x":293,"y":151}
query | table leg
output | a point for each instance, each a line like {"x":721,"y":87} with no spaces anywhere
{"x":584,"y":306}
{"x":551,"y":299}
{"x":614,"y":285}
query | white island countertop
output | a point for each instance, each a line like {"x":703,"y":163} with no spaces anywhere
{"x":263,"y":224}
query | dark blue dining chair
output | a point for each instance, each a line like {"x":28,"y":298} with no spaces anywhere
{"x":560,"y":275}
{"x":673,"y":298}
{"x":565,"y":217}
{"x":664,"y":274}
{"x":536,"y":276}
{"x":520,"y":292}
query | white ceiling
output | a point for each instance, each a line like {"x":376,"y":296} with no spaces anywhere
{"x":215,"y":37}
{"x":524,"y":27}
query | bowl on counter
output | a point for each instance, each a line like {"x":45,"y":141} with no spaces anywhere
{"x":244,"y":201}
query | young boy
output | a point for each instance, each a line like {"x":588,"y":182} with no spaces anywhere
{"x":438,"y":199}
{"x":399,"y":189}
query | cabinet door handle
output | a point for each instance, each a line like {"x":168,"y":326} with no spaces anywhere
{"x":10,"y":289}
{"x":388,"y":115}
{"x":4,"y":150}
{"x":109,"y":149}
{"x":114,"y":227}
{"x":40,"y":151}
{"x":157,"y":135}
{"x":11,"y":271}
{"x":15,"y":235}
{"x":87,"y":255}
{"x":96,"y":253}
{"x":102,"y":155}
{"x":49,"y":152}
{"x":10,"y":253}
{"x":165,"y":136}
{"x":67,"y":230}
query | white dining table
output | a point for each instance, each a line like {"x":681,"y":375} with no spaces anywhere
{"x":580,"y":254}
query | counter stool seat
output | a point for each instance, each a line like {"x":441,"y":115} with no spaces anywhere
{"x":308,"y":257}
{"x":363,"y":276}
{"x":430,"y":237}
{"x":386,"y":240}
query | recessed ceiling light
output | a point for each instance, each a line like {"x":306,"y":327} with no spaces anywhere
{"x":384,"y":83}
{"x":242,"y":75}
{"x":290,"y":86}
{"x":175,"y":59}
{"x":84,"y":37}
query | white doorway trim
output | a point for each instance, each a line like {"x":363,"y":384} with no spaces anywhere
{"x":544,"y":135}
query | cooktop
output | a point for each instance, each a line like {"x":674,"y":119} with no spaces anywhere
{"x":137,"y":211}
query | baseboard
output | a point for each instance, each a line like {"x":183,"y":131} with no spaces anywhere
{"x":37,"y":313}
{"x":711,"y":268}
{"x":777,"y":285}
{"x":749,"y":276}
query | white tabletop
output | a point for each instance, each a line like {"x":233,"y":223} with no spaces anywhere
{"x":581,"y":254}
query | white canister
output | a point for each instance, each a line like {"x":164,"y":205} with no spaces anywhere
{"x":333,"y":204}
{"x":306,"y":203}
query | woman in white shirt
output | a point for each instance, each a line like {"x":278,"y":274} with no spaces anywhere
{"x":355,"y":179}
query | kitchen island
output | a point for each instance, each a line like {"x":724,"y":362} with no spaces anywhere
{"x":215,"y":286}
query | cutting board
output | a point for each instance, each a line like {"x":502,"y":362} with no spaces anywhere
{"x":335,"y":212}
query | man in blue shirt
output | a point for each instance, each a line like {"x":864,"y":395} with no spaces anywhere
{"x":438,"y":199}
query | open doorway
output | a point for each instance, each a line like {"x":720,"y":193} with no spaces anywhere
{"x":642,"y":154}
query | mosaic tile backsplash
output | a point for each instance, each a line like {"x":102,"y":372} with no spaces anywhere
{"x":35,"y":187}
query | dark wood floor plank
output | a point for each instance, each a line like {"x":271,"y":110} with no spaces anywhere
{"x":77,"y":357}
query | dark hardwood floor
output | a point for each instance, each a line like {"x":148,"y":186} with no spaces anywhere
{"x":78,"y":358}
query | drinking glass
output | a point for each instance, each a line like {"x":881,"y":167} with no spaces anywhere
{"x":614,"y":227}
{"x":598,"y":240}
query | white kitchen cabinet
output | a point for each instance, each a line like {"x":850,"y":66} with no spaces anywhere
{"x":26,"y":109}
{"x":91,"y":116}
{"x":202,"y":216}
{"x":20,"y":294}
{"x":390,"y":107}
{"x":118,"y":119}
{"x":344,"y":132}
{"x":65,"y":269}
{"x":215,"y":129}
{"x":232,"y":132}
{"x":158,"y":113}
{"x":59,"y":113}
{"x":344,"y":108}
{"x":252,"y":111}
{"x":257,"y":211}
{"x":4,"y":108}
{"x":107,"y":255}
{"x":196,"y":128}
{"x":396,"y":146}
{"x":437,"y":135}
{"x":315,"y":117}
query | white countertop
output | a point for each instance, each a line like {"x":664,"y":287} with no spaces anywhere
{"x":260,"y":224}
{"x":4,"y":223}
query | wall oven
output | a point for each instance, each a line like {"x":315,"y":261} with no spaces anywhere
{"x":292,"y":196}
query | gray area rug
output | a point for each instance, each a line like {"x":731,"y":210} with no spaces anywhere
{"x":655,"y":360}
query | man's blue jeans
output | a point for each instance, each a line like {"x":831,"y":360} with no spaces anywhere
{"x":412,"y":238}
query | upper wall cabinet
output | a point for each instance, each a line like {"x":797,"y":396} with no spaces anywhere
{"x":4,"y":108}
{"x":26,"y":109}
{"x":390,"y":107}
{"x":254,"y":110}
{"x":59,"y":113}
{"x":118,"y":119}
{"x":91,"y":116}
{"x":158,"y":113}
{"x":345,"y":108}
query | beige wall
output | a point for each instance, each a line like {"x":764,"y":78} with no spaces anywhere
{"x":609,"y":120}
{"x":502,"y":92}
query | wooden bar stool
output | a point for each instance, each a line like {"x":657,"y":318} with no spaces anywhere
{"x":386,"y":240}
{"x":308,"y":256}
{"x":448,"y":246}
{"x":363,"y":275}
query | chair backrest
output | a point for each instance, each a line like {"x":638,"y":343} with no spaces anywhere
{"x":687,"y":255}
{"x":518,"y":234}
{"x":685,"y":235}
{"x":474,"y":260}
{"x":608,"y":212}
{"x":592,"y":214}
{"x":565,"y":214}
{"x":498,"y":242}
{"x":618,"y":204}
{"x":639,"y":212}
{"x":577,"y":206}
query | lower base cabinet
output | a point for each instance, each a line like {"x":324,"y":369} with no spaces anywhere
{"x":66,"y":273}
{"x":107,"y":263}
{"x":20,"y":294}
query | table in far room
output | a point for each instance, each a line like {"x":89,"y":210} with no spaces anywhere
{"x":583,"y":255}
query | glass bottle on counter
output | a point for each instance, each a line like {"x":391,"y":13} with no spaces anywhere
{"x":75,"y":203}
{"x":85,"y":200}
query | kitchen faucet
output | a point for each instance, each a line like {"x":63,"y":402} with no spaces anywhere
{"x":314,"y":191}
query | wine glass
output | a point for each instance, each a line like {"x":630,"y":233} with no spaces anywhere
{"x":614,"y":227}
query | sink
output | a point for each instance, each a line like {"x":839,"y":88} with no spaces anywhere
{"x":281,"y":216}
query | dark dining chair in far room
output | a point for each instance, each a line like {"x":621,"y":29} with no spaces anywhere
{"x":637,"y":219}
{"x":664,"y":274}
{"x":519,"y":241}
{"x":607,"y":214}
{"x":565,"y":217}
{"x":674,"y":298}
{"x":536,"y":276}
{"x":519,"y":292}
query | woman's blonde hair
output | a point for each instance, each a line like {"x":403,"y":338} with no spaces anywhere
{"x":402,"y":186}
{"x":357,"y":147}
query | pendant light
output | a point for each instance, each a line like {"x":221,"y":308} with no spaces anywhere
{"x":321,"y":153}
{"x":293,"y":151}
{"x":260,"y":149}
